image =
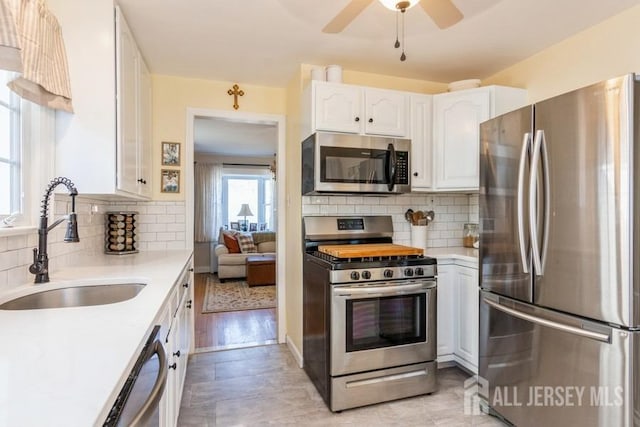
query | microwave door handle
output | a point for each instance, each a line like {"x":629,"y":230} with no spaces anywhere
{"x":158,"y":388}
{"x":391,"y":166}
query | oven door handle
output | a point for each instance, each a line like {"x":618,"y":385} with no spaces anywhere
{"x":380,"y":290}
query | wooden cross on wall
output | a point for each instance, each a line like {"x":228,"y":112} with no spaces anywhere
{"x":235,"y":92}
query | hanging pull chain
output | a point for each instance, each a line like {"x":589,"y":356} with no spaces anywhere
{"x":403,"y":57}
{"x":397,"y":43}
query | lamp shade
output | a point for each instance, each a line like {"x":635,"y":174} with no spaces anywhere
{"x":244,"y":210}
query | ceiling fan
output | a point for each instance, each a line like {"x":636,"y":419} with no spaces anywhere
{"x":443,"y":12}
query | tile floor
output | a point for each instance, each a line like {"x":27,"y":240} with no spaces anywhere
{"x":263,"y":386}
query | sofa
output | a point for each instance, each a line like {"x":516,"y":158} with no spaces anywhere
{"x":233,"y":265}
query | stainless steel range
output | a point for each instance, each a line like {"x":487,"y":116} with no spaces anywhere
{"x":369,"y":332}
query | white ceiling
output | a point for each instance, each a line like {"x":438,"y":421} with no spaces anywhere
{"x":225,"y":137}
{"x":262,"y":42}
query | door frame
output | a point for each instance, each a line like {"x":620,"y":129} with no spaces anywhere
{"x":252,"y":118}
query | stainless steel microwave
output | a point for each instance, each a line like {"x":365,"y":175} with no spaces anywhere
{"x":336,"y":163}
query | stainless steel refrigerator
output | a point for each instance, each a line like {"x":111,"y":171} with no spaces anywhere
{"x":559,"y":259}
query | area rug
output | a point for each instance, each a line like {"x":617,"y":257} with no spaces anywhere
{"x":236,"y":295}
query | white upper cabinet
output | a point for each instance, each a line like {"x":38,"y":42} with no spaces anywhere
{"x":338,"y":107}
{"x":446,"y":144}
{"x":421,"y":142}
{"x":457,"y":121}
{"x":385,"y":112}
{"x":101,"y":146}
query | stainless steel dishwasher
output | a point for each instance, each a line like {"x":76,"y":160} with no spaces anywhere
{"x":138,"y":402}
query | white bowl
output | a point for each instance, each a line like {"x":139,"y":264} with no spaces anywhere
{"x":464,"y":84}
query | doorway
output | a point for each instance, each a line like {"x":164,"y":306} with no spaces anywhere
{"x":251,"y":160}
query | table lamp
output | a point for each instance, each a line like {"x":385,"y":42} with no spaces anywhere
{"x":245,"y":212}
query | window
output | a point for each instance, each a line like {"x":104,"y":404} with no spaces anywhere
{"x":11,"y":194}
{"x":26,"y":154}
{"x":254,"y":190}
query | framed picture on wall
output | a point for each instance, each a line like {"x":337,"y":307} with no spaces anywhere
{"x":170,"y":154}
{"x":170,"y":181}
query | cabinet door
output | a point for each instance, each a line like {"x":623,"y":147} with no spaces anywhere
{"x":127,"y":107}
{"x":446,"y":309}
{"x":144,"y":180}
{"x":421,"y":147}
{"x":385,"y":112}
{"x":338,"y":108}
{"x":468,"y":315}
{"x":457,"y":121}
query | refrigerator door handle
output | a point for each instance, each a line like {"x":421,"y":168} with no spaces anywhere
{"x":549,"y":323}
{"x":526,"y":142}
{"x":533,"y":202}
{"x":547,"y":202}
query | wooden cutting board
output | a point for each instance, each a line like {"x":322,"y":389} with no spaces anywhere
{"x":368,"y":250}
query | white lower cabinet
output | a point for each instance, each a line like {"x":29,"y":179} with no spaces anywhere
{"x":446,"y":312}
{"x":467,"y":328}
{"x":177,"y":342}
{"x":458,"y":315}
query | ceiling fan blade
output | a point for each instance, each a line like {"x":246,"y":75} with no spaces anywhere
{"x":443,"y":12}
{"x":346,"y":15}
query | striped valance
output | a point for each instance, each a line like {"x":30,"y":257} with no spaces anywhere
{"x":28,"y":27}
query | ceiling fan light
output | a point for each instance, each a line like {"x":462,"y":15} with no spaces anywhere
{"x":393,"y":4}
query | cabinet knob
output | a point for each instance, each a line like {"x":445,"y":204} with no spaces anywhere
{"x":371,"y":120}
{"x":173,"y":366}
{"x":142,"y":181}
{"x":415,"y":174}
{"x":177,"y":353}
{"x":189,"y":304}
{"x":191,"y":270}
{"x":186,"y":285}
{"x":357,"y":119}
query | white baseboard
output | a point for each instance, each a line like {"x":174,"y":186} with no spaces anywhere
{"x":202,"y":269}
{"x":295,"y":352}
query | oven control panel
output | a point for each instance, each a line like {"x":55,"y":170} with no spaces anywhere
{"x":382,"y":274}
{"x":350,"y":224}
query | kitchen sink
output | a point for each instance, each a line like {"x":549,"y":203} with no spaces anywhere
{"x":76,"y":296}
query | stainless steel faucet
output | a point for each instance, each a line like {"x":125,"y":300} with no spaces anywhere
{"x":40,"y":266}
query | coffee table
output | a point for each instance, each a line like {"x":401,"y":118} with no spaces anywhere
{"x":261,"y":270}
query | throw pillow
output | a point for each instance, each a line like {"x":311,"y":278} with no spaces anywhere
{"x":246,"y":244}
{"x":231,"y":243}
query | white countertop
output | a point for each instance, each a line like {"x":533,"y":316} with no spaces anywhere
{"x":64,"y":367}
{"x":455,"y":253}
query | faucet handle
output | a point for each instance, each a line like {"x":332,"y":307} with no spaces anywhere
{"x":35,"y":268}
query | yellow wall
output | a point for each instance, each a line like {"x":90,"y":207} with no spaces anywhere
{"x":173,"y":95}
{"x":293,"y":190}
{"x":606,"y":50}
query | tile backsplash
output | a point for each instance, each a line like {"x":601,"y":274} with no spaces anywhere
{"x":452,"y":212}
{"x":161,"y":225}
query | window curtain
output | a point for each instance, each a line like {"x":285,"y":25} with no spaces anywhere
{"x":31,"y":43}
{"x":208,"y":201}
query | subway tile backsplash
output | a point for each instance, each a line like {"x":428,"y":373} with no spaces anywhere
{"x":161,"y":225}
{"x":452,"y":212}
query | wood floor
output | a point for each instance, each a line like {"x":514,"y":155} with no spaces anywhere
{"x":233,"y":329}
